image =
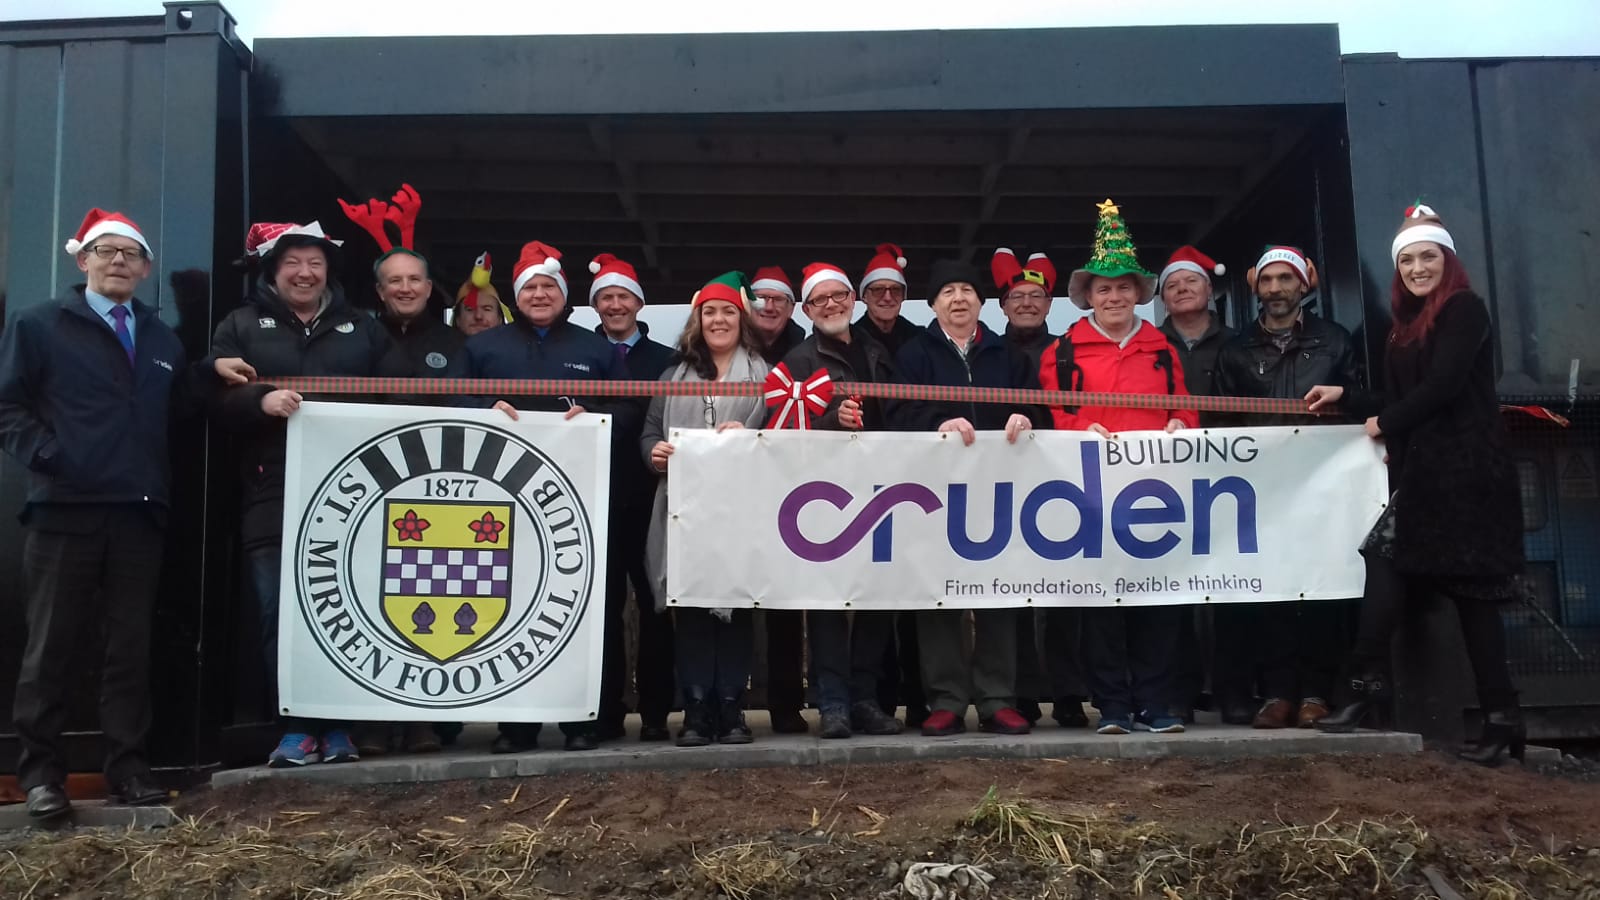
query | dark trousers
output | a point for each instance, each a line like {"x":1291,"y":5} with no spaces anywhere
{"x":901,"y":684}
{"x":786,"y":635}
{"x":713,"y":655}
{"x":1063,"y":657}
{"x":95,"y":584}
{"x":846,"y":656}
{"x":989,"y":680}
{"x":1131,"y":658}
{"x":1032,"y":679}
{"x":1482,"y":630}
{"x":262,"y":568}
{"x":1290,"y":651}
{"x":652,"y":671}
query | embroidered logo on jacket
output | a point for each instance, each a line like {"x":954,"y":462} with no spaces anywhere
{"x":436,"y":360}
{"x":581,"y":367}
{"x":163,"y":364}
{"x":345,"y":327}
{"x":267,"y":322}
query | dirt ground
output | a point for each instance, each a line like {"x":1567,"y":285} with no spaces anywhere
{"x":1422,"y":826}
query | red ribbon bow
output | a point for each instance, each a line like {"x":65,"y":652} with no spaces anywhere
{"x":797,"y":401}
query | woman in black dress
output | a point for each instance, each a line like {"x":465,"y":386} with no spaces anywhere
{"x":1454,"y":522}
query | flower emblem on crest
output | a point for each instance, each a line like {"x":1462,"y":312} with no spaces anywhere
{"x":411,"y":526}
{"x":486,"y":529}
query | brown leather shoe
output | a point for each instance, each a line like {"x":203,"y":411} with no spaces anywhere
{"x":1275,"y":713}
{"x":1312,"y":709}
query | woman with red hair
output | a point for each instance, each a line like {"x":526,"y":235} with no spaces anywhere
{"x":1453,"y":526}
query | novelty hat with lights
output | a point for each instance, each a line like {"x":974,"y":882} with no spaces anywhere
{"x":1114,"y":257}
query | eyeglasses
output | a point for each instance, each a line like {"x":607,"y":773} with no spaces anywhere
{"x":838,"y":298}
{"x":773,"y":298}
{"x":711,"y":412}
{"x":1035,"y":296}
{"x":131,"y":254}
{"x":892,"y":291}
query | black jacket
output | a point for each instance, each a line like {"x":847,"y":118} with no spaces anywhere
{"x":822,"y":352}
{"x":1200,"y":361}
{"x":89,"y":427}
{"x":902,"y":333}
{"x":1250,"y":365}
{"x":1459,"y":509}
{"x":1031,"y":341}
{"x":789,"y":338}
{"x":430,"y":348}
{"x":342,"y":340}
{"x":930,"y":358}
{"x":633,"y":482}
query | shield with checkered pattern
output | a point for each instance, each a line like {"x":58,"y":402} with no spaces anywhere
{"x":446,"y":573}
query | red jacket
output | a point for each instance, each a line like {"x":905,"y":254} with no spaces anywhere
{"x":1147,"y":365}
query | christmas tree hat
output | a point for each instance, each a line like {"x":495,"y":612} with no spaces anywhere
{"x":1114,"y":257}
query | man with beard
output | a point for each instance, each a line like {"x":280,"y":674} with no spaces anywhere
{"x":1291,"y":650}
{"x":846,"y":664}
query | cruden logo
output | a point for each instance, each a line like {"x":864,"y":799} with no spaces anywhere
{"x":444,"y":564}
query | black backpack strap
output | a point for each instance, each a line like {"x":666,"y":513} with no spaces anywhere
{"x":1073,"y":379}
{"x":1164,"y":363}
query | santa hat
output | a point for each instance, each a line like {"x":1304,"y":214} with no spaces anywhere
{"x":1421,"y":224}
{"x":818,"y":272}
{"x":99,"y":223}
{"x":1189,"y":259}
{"x":1008,"y":273}
{"x":772,"y":278}
{"x":888,"y":263}
{"x":1293,"y":257}
{"x":263,"y":237}
{"x":537,"y":258}
{"x":609,"y":271}
{"x":730,"y":286}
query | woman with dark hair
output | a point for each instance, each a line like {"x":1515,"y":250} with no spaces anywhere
{"x":1453,"y":525}
{"x":713,"y":645}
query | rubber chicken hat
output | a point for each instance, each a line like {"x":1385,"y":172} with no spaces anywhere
{"x":477,"y":289}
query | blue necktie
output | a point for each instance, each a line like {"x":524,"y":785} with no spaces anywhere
{"x":124,"y":336}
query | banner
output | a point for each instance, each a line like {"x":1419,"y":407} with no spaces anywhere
{"x":886,"y":520}
{"x":442,"y":564}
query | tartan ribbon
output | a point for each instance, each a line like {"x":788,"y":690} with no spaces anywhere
{"x":798,"y":401}
{"x":502,"y":388}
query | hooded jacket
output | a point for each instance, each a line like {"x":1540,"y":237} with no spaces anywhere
{"x":341,"y":340}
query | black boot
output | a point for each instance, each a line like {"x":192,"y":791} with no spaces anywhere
{"x":1370,"y":693}
{"x":731,"y":728}
{"x":1503,"y":730}
{"x":698,"y":723}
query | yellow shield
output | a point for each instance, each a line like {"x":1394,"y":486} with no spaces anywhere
{"x":446,"y":572}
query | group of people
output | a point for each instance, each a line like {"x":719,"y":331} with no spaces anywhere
{"x":88,"y":383}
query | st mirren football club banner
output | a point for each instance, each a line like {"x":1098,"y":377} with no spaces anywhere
{"x":899,"y":521}
{"x":442,"y":565}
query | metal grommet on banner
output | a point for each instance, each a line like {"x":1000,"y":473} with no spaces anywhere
{"x":847,"y":603}
{"x":672,"y":601}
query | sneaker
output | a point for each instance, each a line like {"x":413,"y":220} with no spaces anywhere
{"x":1115,"y":725}
{"x":294,"y":750}
{"x":1068,"y":712}
{"x":867,"y":718}
{"x":338,"y":748}
{"x":1006,"y":721}
{"x":942,"y":723}
{"x":1159,"y":724}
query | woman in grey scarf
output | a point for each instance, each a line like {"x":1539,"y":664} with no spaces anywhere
{"x":713,"y":645}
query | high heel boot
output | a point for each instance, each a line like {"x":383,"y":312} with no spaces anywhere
{"x":1370,"y":693}
{"x":1503,"y":730}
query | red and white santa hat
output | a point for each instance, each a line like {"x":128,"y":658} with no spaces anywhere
{"x":264,"y":236}
{"x":1293,"y":257}
{"x":773,"y":278}
{"x":537,"y":258}
{"x":817,"y":273}
{"x":99,"y":223}
{"x":609,"y":271}
{"x":1188,"y":258}
{"x":888,"y":263}
{"x":1008,"y":272}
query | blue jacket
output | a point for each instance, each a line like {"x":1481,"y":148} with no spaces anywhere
{"x":89,"y":427}
{"x":990,"y":361}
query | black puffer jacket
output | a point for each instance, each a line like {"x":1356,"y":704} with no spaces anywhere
{"x":1250,"y":365}
{"x":930,"y":358}
{"x":822,"y":352}
{"x":342,"y":340}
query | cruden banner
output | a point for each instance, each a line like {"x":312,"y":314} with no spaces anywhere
{"x":897,"y":521}
{"x":442,"y":565}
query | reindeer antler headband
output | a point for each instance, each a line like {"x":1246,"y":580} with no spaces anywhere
{"x":374,"y":216}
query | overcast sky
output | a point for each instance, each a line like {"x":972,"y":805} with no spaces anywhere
{"x":1412,"y":28}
